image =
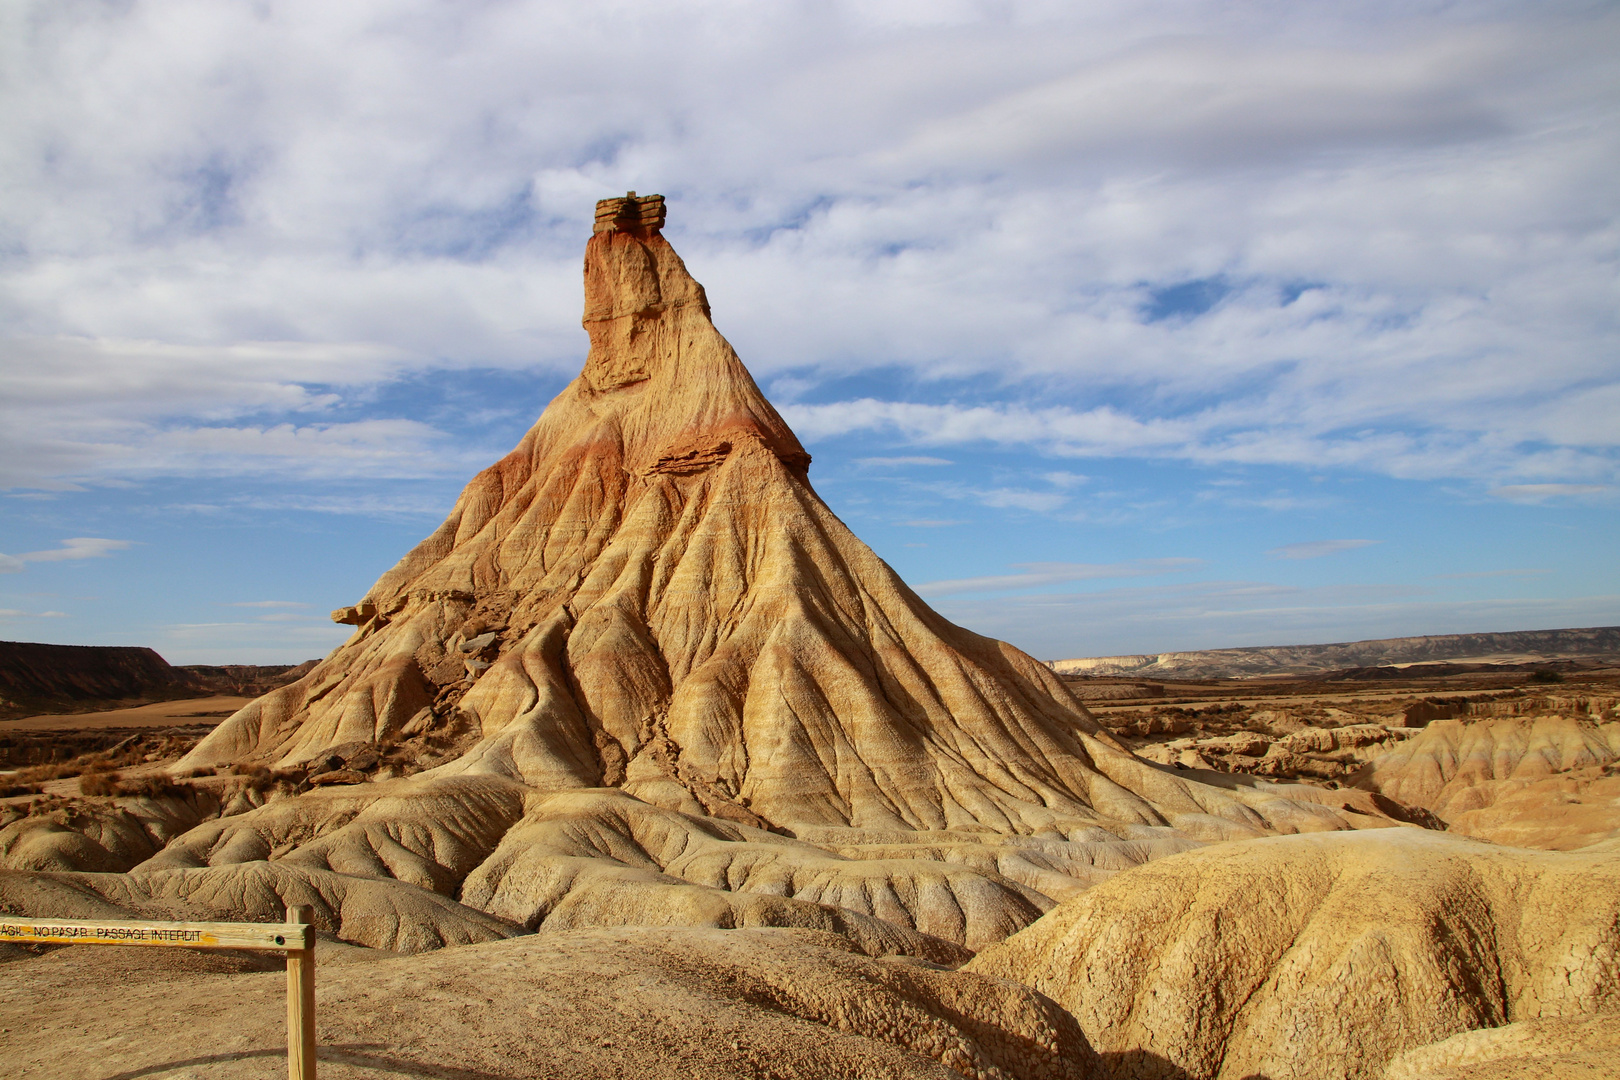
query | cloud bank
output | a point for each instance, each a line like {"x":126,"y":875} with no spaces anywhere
{"x":1368,"y":236}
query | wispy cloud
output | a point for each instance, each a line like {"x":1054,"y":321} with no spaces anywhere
{"x":78,"y":547}
{"x":268,"y":604}
{"x":1525,"y":573}
{"x":899,"y":462}
{"x":1316,"y":549}
{"x":1540,"y":493}
{"x":1036,"y":575}
{"x":877,"y":200}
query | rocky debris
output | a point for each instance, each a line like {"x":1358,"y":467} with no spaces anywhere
{"x":1322,"y":957}
{"x":338,"y":776}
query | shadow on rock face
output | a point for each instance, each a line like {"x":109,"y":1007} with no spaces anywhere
{"x":1144,"y":1065}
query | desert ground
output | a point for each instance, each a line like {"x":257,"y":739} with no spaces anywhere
{"x":644,"y":764}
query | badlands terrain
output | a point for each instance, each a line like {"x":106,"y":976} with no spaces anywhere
{"x":642,"y":763}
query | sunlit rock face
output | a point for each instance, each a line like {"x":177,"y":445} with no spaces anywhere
{"x":647,"y":593}
{"x":643,"y":676}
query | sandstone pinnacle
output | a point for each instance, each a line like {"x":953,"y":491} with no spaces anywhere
{"x":647,"y":593}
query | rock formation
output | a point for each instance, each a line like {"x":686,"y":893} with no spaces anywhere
{"x":648,"y":594}
{"x":1549,"y":781}
{"x":1324,"y":956}
{"x":1577,"y":1049}
{"x":643,"y":675}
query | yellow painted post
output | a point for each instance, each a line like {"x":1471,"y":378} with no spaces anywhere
{"x":301,"y":995}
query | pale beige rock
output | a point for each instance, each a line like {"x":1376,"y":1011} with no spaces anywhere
{"x":642,"y":666}
{"x":1322,"y":956}
{"x":1542,"y":781}
{"x":377,"y":912}
{"x":1578,"y":1049}
{"x":659,"y":1004}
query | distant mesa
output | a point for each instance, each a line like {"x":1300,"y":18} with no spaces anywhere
{"x":1381,"y":657}
{"x":40,"y":678}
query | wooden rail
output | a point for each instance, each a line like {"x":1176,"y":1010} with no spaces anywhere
{"x":295,"y":937}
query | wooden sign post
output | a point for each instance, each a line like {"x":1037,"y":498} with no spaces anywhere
{"x":295,"y":937}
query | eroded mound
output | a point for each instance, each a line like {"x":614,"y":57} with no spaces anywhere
{"x":1547,"y":781}
{"x":1579,"y":1049}
{"x":658,"y":1004}
{"x":1322,"y":956}
{"x":643,"y":675}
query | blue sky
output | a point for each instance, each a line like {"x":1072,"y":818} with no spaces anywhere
{"x":1113,"y":327}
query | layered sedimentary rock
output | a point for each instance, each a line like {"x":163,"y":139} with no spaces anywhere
{"x":643,"y":675}
{"x":1549,"y":781}
{"x":1325,"y":956}
{"x":648,"y":594}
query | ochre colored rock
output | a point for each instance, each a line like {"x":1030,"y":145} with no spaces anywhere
{"x":1322,"y":957}
{"x":648,"y":594}
{"x":642,"y":675}
{"x":1577,"y":1049}
{"x":1545,"y":781}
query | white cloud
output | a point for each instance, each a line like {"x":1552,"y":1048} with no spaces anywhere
{"x":899,"y":462}
{"x":1316,"y":549}
{"x":1539,"y":493}
{"x":78,"y":547}
{"x":268,"y":604}
{"x":1398,"y":208}
{"x":1035,"y":575}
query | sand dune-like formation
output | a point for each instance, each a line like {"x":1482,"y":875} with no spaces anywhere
{"x":1547,"y":781}
{"x":1322,"y":956}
